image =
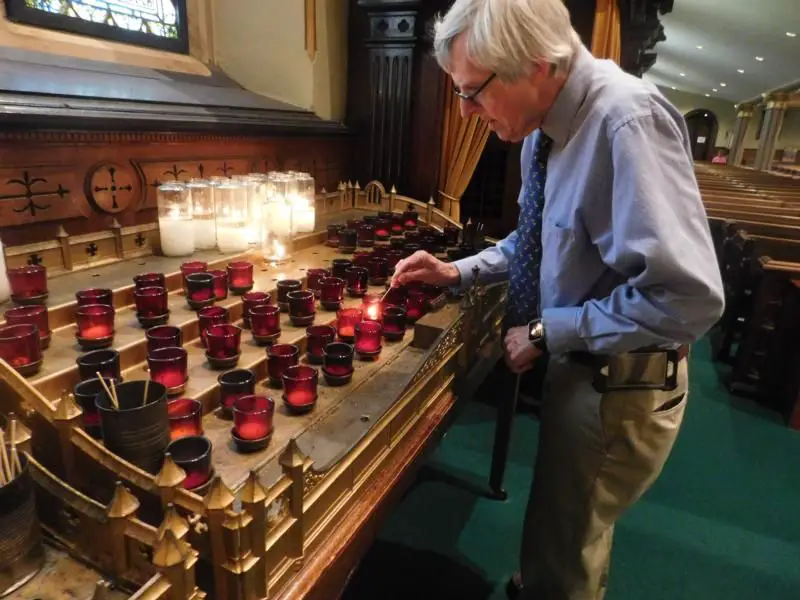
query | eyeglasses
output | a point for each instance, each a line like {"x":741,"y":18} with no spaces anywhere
{"x":471,"y":97}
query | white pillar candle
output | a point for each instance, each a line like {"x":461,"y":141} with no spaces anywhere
{"x":231,"y":236}
{"x":5,"y":286}
{"x":205,"y":232}
{"x":304,"y":219}
{"x":177,"y":236}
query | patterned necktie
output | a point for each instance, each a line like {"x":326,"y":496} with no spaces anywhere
{"x":523,"y":274}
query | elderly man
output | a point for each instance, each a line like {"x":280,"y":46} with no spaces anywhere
{"x":611,"y":272}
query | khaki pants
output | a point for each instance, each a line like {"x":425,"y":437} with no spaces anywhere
{"x":598,"y":453}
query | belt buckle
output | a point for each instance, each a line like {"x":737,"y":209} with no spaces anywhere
{"x":638,"y":370}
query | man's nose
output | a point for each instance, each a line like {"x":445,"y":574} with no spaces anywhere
{"x":468,"y":108}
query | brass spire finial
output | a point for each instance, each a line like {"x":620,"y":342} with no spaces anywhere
{"x":292,"y":456}
{"x":253,"y":492}
{"x":123,"y":504}
{"x":219,"y":497}
{"x":170,"y":475}
{"x":173,"y":522}
{"x":67,"y":409}
{"x":169,"y":552}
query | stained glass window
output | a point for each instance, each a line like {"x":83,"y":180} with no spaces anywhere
{"x":155,"y":23}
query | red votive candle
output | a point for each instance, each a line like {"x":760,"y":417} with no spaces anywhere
{"x":346,"y":321}
{"x":105,"y":362}
{"x":240,"y":276}
{"x":300,"y":387}
{"x":332,"y":237}
{"x":416,"y":301}
{"x":28,"y":284}
{"x":361,"y":259}
{"x":251,"y":299}
{"x":357,"y":281}
{"x":211,"y":315}
{"x":410,"y":248}
{"x":348,"y":239}
{"x":252,"y":417}
{"x":95,"y":325}
{"x":314,"y":279}
{"x":151,"y":302}
{"x":170,"y":368}
{"x":223,"y":341}
{"x":371,"y":305}
{"x":85,"y":393}
{"x":199,"y":290}
{"x":265,"y":323}
{"x":163,"y":336}
{"x":337,"y":365}
{"x":410,"y":219}
{"x":193,"y":455}
{"x":332,"y":293}
{"x":368,"y":338}
{"x":94,"y":296}
{"x":383,"y":229}
{"x":150,"y":279}
{"x":284,"y":287}
{"x":378,"y":270}
{"x":366,"y":235}
{"x":219,"y":283}
{"x":233,"y":385}
{"x":20,"y":348}
{"x":279,"y":358}
{"x":397,"y":224}
{"x":395,"y":296}
{"x":31,"y":315}
{"x":339,"y":267}
{"x":394,"y":323}
{"x":302,"y":307}
{"x":192,"y":266}
{"x":185,"y":418}
{"x":317,"y":338}
{"x":392,"y":258}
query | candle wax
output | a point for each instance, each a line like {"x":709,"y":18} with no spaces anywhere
{"x":347,"y":331}
{"x":252,"y":431}
{"x":301,"y":397}
{"x":94,"y":332}
{"x":194,"y":479}
{"x":177,"y":237}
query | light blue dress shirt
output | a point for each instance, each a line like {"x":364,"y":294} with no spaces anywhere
{"x":627,"y":256}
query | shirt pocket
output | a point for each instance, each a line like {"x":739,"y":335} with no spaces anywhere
{"x":560,"y":249}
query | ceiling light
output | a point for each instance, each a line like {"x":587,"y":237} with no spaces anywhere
{"x":683,"y":74}
{"x":708,"y":95}
{"x":791,"y":34}
{"x":715,"y":90}
{"x":723,"y":84}
{"x":674,"y":88}
{"x":760,"y":58}
{"x":700,"y":47}
{"x":740,"y":70}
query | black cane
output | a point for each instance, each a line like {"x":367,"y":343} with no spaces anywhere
{"x":506,"y":410}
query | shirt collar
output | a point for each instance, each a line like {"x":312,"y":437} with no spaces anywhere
{"x":557,"y":123}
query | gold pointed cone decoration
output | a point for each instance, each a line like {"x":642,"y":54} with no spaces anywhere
{"x":173,"y":522}
{"x":170,"y":475}
{"x":169,"y":552}
{"x":253,"y":492}
{"x":123,"y":504}
{"x":292,"y":456}
{"x":219,"y":497}
{"x":67,"y":409}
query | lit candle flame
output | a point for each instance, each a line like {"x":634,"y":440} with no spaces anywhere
{"x":278,"y":249}
{"x":372,"y":312}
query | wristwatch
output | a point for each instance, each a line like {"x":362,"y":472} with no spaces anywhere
{"x":536,"y":335}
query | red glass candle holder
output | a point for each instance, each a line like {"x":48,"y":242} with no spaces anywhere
{"x":233,"y":385}
{"x":150,"y":279}
{"x":392,"y":258}
{"x":353,"y":224}
{"x":223,"y":345}
{"x":332,"y":236}
{"x":85,"y":393}
{"x":314,"y":279}
{"x":284,"y":287}
{"x":302,"y":307}
{"x":199,"y":290}
{"x":163,"y":336}
{"x":170,"y":368}
{"x":300,"y":388}
{"x":410,"y":248}
{"x":211,"y":315}
{"x":368,"y":339}
{"x":383,"y":229}
{"x":339,"y":267}
{"x":397,"y":224}
{"x":378,"y":270}
{"x":193,"y":455}
{"x":240,"y":276}
{"x":252,"y":422}
{"x":332,"y":293}
{"x":394,"y":323}
{"x":95,"y":296}
{"x":20,"y":348}
{"x":397,"y":243}
{"x":152,"y":306}
{"x":279,"y":358}
{"x":379,"y":251}
{"x":317,"y":338}
{"x":185,"y":417}
{"x":105,"y":362}
{"x":28,"y":284}
{"x":346,"y":321}
{"x":95,"y":326}
{"x":413,"y":237}
{"x":192,"y":266}
{"x":357,"y":281}
{"x":219,"y":283}
{"x":395,"y":296}
{"x":33,"y":315}
{"x":348,"y":240}
{"x":416,"y":303}
{"x":410,"y":219}
{"x":265,"y":323}
{"x":371,"y":219}
{"x":251,"y":299}
{"x":337,"y":364}
{"x":361,"y":259}
{"x":371,"y":307}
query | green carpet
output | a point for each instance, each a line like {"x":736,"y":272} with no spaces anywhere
{"x":721,"y":522}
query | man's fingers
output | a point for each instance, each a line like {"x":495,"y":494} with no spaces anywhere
{"x":412,"y":274}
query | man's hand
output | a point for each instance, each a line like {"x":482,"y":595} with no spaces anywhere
{"x":426,"y":268}
{"x":520,"y":353}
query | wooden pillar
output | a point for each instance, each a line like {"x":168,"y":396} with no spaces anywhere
{"x":770,"y":130}
{"x":218,"y":501}
{"x":743,"y":118}
{"x":121,"y":509}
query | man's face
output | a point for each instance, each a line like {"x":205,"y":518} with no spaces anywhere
{"x":512,"y":109}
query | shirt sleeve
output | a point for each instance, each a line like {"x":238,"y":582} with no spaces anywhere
{"x":493,"y":262}
{"x":657,"y":238}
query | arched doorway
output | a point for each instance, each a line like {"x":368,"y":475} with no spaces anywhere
{"x":703,"y":127}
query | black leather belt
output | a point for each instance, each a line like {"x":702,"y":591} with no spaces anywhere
{"x":647,"y":369}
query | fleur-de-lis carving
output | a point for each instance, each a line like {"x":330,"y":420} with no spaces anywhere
{"x":140,"y":240}
{"x":175,"y":172}
{"x":28,"y":182}
{"x":225,"y":168}
{"x":91,"y":249}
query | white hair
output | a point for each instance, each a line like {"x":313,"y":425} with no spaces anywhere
{"x":507,"y":36}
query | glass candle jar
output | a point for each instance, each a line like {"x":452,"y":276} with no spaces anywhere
{"x":105,"y":362}
{"x":284,"y":287}
{"x":397,"y":243}
{"x":416,"y":303}
{"x":95,"y":326}
{"x":371,"y":307}
{"x":368,"y":339}
{"x":302,"y":307}
{"x":85,"y":393}
{"x":33,"y":315}
{"x":175,"y":226}
{"x":211,"y":315}
{"x":150,"y":279}
{"x":201,"y":195}
{"x":337,"y":365}
{"x":193,"y":266}
{"x":223,"y":345}
{"x":232,"y":218}
{"x":279,"y":358}
{"x":152,"y":305}
{"x":300,"y":388}
{"x":366,"y":235}
{"x":397,"y":224}
{"x":219,"y":283}
{"x":95,"y":296}
{"x":185,"y":417}
{"x":233,"y":385}
{"x":346,"y":321}
{"x":163,"y":336}
{"x":361,"y":259}
{"x":170,"y":368}
{"x":20,"y":348}
{"x":193,"y":455}
{"x":383,"y":229}
{"x":314,"y":279}
{"x":357,"y":280}
{"x":395,"y":296}
{"x":28,"y":284}
{"x":410,"y":248}
{"x":378,"y":270}
{"x":252,"y":417}
{"x":410,"y":219}
{"x":332,"y":237}
{"x":199,"y":290}
{"x":332,"y":293}
{"x":339,"y":267}
{"x":353,"y":224}
{"x":317,"y":337}
{"x":240,"y":276}
{"x":265,"y":323}
{"x":394,"y":323}
{"x":348,"y":240}
{"x":251,"y":299}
